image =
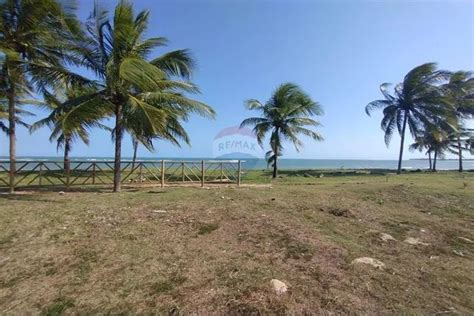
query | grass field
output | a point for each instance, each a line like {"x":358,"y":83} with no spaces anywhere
{"x":215,"y":249}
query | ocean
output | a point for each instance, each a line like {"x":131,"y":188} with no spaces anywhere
{"x":258,"y":164}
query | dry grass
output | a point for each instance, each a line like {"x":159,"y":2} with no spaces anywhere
{"x":193,"y":250}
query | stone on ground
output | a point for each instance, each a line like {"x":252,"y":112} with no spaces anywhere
{"x":278,"y":286}
{"x":370,"y":261}
{"x":459,"y":253}
{"x":415,"y":241}
{"x":387,"y":237}
{"x":467,"y":240}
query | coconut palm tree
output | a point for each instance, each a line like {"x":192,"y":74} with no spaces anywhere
{"x":460,"y":93}
{"x":69,"y":124}
{"x":270,"y":158}
{"x":423,"y":143}
{"x":284,"y":116}
{"x":172,"y":131}
{"x":33,"y":35}
{"x":142,"y":94}
{"x":135,"y":149}
{"x":416,"y":103}
{"x":439,"y":142}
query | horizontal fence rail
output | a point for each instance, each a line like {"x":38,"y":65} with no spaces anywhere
{"x":41,"y":173}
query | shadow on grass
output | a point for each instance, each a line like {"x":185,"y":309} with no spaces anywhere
{"x":26,"y":198}
{"x":31,"y":190}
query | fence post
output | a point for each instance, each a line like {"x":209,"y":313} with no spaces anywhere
{"x":202,"y":173}
{"x":140,"y":173}
{"x":239,"y":168}
{"x":11,"y":175}
{"x":93,"y":173}
{"x":162,"y":173}
{"x":182,"y":171}
{"x":222,"y":172}
{"x":68,"y":176}
{"x":40,"y":173}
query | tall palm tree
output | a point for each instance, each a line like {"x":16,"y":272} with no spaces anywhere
{"x":285,"y":115}
{"x":416,"y":102}
{"x":33,"y":35}
{"x":460,"y":93}
{"x":69,"y":124}
{"x":142,"y":94}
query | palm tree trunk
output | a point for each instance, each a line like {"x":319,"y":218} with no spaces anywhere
{"x":400,"y":157}
{"x":434,"y":161}
{"x":429,"y":158}
{"x":275,"y":167}
{"x":118,"y":147}
{"x":460,"y":153}
{"x":12,"y":136}
{"x":67,"y":149}
{"x":135,"y":147}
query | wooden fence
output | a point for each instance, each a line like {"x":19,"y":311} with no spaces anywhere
{"x":40,"y":173}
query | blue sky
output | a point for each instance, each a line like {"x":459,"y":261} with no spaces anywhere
{"x":337,"y":51}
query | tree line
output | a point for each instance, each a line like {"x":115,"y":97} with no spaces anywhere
{"x":41,"y":41}
{"x":435,"y":105}
{"x":147,"y":97}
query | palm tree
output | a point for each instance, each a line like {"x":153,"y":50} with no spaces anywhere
{"x":460,"y":93}
{"x":135,"y":149}
{"x":423,"y":142}
{"x":33,"y":34}
{"x":69,"y":125}
{"x":270,"y":158}
{"x":459,"y":141}
{"x":439,"y":142}
{"x":416,"y":102}
{"x":285,"y":115}
{"x":141,"y":94}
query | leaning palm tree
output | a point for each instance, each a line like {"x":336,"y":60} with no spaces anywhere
{"x":33,"y":34}
{"x":69,"y":125}
{"x":284,"y":116}
{"x":270,"y":158}
{"x":416,"y":103}
{"x":460,"y":93}
{"x":142,"y":94}
{"x":135,"y":143}
{"x":138,"y":140}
